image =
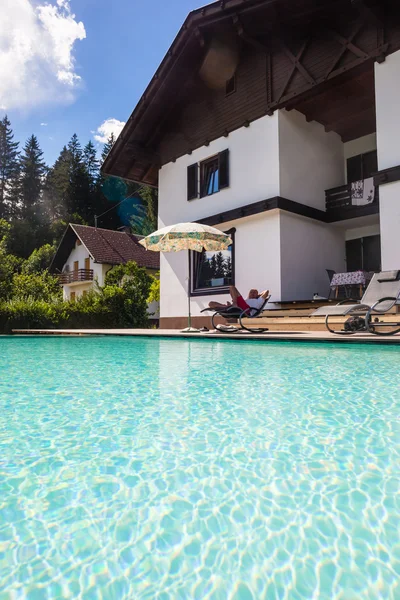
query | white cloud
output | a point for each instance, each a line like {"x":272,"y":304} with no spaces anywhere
{"x":43,"y":124}
{"x":36,"y":53}
{"x":108,"y":127}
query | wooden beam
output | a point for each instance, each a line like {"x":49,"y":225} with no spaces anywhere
{"x":344,"y":48}
{"x":295,"y":66}
{"x":296,"y":61}
{"x":387,"y":176}
{"x":143,"y":152}
{"x":255,"y":208}
{"x":246,"y":38}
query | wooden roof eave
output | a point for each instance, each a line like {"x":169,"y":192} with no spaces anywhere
{"x":221,"y":10}
{"x":163,"y":78}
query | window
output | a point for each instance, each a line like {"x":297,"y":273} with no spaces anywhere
{"x":76,"y":265}
{"x":364,"y":254}
{"x":230,"y":86}
{"x":212,"y":272}
{"x":84,"y":293}
{"x":214,"y":176}
{"x":78,"y":242}
{"x":87,"y":264}
{"x":362,"y":166}
{"x":209,"y":176}
{"x":72,"y":296}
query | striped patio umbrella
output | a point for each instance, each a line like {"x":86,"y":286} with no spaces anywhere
{"x":187,"y":236}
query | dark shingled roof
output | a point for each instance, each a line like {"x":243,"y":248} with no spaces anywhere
{"x":105,"y":246}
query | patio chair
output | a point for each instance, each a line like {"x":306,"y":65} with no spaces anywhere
{"x":234,"y":312}
{"x":379,"y":298}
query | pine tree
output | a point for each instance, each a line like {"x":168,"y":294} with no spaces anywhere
{"x":32,"y":177}
{"x":57,"y":187}
{"x":219,"y":265}
{"x":8,"y":167}
{"x":111,"y":191}
{"x":107,"y":147}
{"x":91,"y":163}
{"x":79,"y":185}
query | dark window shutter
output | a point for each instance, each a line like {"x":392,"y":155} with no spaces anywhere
{"x":354,"y":168}
{"x":192,"y":181}
{"x":369,"y":164}
{"x":223,"y":169}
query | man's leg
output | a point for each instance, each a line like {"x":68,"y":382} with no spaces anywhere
{"x":234,"y":295}
{"x":234,"y":292}
{"x":217,"y":305}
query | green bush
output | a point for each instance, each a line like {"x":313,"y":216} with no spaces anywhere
{"x":36,"y":302}
{"x":39,"y":260}
{"x":154,"y":295}
{"x":30,"y":313}
{"x":37,"y":286}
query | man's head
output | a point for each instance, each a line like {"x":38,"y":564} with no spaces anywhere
{"x":253,"y":293}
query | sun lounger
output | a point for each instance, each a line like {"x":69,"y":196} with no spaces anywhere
{"x":233,"y":312}
{"x":379,"y":298}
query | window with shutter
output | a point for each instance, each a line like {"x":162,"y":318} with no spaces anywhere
{"x":223,"y":169}
{"x":192,"y":181}
{"x":214,"y":174}
{"x":362,"y":166}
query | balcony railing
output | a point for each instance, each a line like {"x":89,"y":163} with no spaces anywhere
{"x":76,"y":276}
{"x":339,"y":205}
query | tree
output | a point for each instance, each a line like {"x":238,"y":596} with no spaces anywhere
{"x":36,"y":286}
{"x":39,"y":260}
{"x":8,"y":263}
{"x":125,"y":294}
{"x":144,"y":221}
{"x":32,"y":177}
{"x":91,"y":163}
{"x":79,"y":186}
{"x":9,"y":168}
{"x":107,"y":147}
{"x":57,"y":187}
{"x":228,"y":267}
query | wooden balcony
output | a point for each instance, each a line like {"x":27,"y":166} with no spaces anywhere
{"x":339,"y":205}
{"x":78,"y":276}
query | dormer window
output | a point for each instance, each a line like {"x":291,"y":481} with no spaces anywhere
{"x":214,"y":176}
{"x":230,"y":86}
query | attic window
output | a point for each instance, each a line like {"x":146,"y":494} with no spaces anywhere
{"x":230,"y":86}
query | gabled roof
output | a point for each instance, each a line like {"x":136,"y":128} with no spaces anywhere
{"x":308,"y":45}
{"x":180,"y":63}
{"x":105,"y":247}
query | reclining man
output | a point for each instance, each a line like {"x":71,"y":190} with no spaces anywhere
{"x":254,"y":300}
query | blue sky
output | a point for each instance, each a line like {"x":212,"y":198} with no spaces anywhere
{"x":80,"y":62}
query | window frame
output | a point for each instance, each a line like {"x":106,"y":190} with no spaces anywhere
{"x":203,"y":166}
{"x":232,"y":82}
{"x":362,"y":159}
{"x":194,"y":262}
{"x":195,"y":188}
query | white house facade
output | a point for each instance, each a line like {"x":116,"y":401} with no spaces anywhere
{"x":285,"y":181}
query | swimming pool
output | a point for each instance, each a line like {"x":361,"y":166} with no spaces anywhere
{"x":152,"y":468}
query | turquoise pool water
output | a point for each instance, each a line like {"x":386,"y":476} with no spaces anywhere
{"x":168,"y":469}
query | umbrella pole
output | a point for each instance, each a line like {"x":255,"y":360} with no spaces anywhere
{"x":189,"y":328}
{"x":188,"y":292}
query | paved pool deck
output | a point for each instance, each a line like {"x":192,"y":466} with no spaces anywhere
{"x":306,"y":336}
